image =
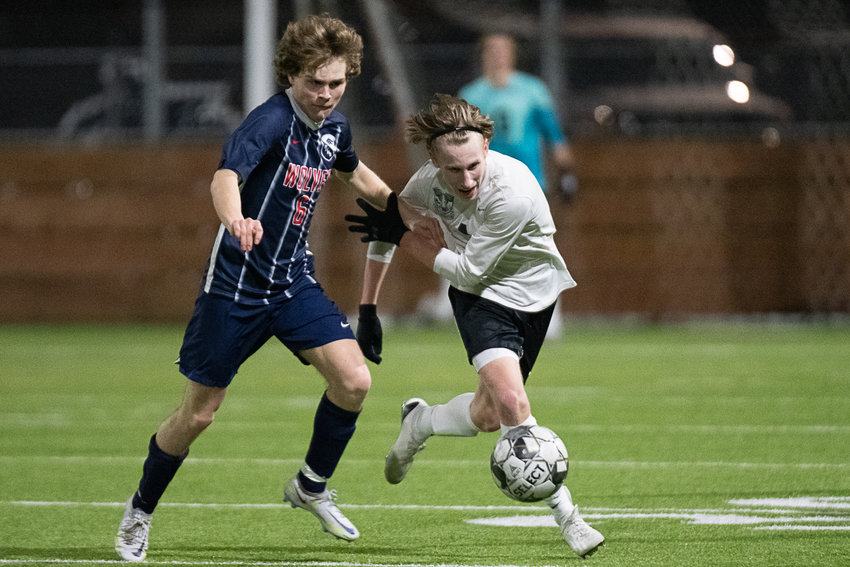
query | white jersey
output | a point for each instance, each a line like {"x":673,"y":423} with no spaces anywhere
{"x":500,"y":244}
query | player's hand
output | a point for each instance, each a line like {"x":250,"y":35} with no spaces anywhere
{"x":383,"y":226}
{"x":568,"y":187}
{"x":248,"y":231}
{"x":369,"y":334}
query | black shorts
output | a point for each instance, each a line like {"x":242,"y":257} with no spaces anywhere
{"x":484,"y":324}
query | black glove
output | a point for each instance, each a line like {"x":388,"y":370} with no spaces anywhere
{"x":383,"y":226}
{"x":369,"y":335}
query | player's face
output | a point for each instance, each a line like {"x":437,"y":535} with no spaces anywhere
{"x":498,"y":53}
{"x":318,"y":93}
{"x":462,"y":167}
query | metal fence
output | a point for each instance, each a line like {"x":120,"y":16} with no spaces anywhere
{"x":618,"y":68}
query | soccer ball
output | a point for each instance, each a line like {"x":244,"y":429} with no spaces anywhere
{"x":529,"y":463}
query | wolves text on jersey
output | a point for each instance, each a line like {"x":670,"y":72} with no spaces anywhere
{"x":305,"y":178}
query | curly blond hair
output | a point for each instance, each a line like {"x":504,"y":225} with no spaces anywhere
{"x":313,"y":41}
{"x":448,"y":118}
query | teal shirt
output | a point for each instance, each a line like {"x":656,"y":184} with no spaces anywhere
{"x":524,"y":117}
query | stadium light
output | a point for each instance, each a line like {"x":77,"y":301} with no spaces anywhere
{"x":738,"y":91}
{"x":723,"y":55}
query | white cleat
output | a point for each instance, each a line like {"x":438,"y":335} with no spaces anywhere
{"x":408,"y":443}
{"x":131,"y":542}
{"x":584,"y":540}
{"x":323,"y":507}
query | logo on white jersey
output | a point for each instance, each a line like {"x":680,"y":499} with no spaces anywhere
{"x":444,"y":204}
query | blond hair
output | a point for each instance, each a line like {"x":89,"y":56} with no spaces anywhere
{"x":313,"y":41}
{"x":448,"y":118}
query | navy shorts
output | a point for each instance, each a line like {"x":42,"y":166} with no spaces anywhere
{"x":222,"y":334}
{"x":484,"y":324}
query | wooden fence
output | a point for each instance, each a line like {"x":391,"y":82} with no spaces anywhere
{"x":662,"y":229}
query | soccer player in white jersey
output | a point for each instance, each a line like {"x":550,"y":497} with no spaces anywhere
{"x":525,"y":126}
{"x":479,"y":219}
{"x":260,"y":282}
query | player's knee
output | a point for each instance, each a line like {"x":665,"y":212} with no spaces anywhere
{"x":355,"y":385}
{"x":196,"y":420}
{"x":512,"y":402}
{"x":199,"y":421}
{"x":361,"y":383}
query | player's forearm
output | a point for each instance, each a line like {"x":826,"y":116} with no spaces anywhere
{"x":226,"y":198}
{"x":367,"y":184}
{"x":373,"y":279}
{"x":421,"y":247}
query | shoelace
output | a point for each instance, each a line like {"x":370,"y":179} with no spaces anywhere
{"x":582,"y":529}
{"x":136,"y":533}
{"x":326,"y":496}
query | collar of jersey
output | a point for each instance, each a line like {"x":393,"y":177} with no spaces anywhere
{"x":303,"y":115}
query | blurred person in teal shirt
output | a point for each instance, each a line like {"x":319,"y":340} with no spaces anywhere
{"x":526,"y":123}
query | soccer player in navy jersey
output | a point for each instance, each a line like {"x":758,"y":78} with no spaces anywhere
{"x":260,"y":281}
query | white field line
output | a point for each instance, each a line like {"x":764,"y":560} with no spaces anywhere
{"x":227,"y":563}
{"x":821,"y":502}
{"x":714,"y":518}
{"x":795,"y":514}
{"x":791,"y":506}
{"x":806,"y":528}
{"x":421,"y":462}
{"x":589,"y":512}
{"x":711,"y":429}
{"x":531,"y":508}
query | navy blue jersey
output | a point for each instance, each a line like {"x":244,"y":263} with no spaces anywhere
{"x":282,"y":164}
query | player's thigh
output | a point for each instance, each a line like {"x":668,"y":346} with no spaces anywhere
{"x":314,"y":329}
{"x":308,"y":320}
{"x":220,"y":336}
{"x":502,"y":380}
{"x":484,"y":324}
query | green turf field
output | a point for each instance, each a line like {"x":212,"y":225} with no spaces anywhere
{"x":689,"y":445}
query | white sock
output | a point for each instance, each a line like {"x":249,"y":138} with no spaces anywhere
{"x":528,"y":421}
{"x":451,"y":418}
{"x":561,"y":504}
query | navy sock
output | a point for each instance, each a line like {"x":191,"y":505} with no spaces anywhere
{"x":157,"y":472}
{"x":333,"y":427}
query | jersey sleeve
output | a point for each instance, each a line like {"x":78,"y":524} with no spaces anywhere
{"x":346,"y":158}
{"x":504,"y":223}
{"x":415,"y":193}
{"x":252,"y":140}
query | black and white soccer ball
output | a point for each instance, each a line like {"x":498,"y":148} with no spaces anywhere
{"x":529,"y":463}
